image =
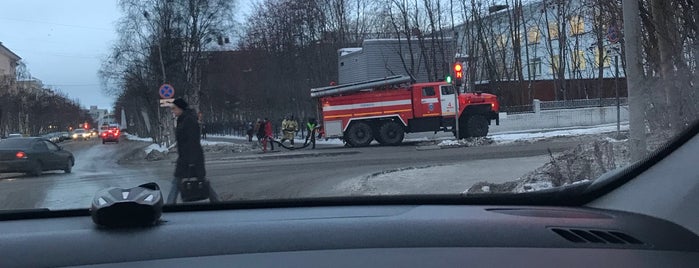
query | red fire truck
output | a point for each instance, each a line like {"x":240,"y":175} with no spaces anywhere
{"x":387,"y":108}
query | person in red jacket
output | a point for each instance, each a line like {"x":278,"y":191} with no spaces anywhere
{"x":268,"y":135}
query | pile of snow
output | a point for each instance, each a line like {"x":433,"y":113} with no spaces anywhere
{"x":513,"y":137}
{"x":448,"y":143}
{"x":232,"y":137}
{"x":206,"y":142}
{"x":469,"y":142}
{"x":156,"y":147}
{"x":136,"y":138}
{"x":226,"y":147}
{"x":155,"y":152}
{"x":584,"y":163}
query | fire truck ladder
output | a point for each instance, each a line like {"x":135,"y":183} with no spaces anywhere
{"x":352,"y":87}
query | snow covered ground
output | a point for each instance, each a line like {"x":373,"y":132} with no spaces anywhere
{"x":136,"y":138}
{"x":156,"y":147}
{"x":206,"y":142}
{"x":297,"y":140}
{"x":442,"y":179}
{"x":447,"y":139}
{"x":404,"y":181}
{"x":544,"y":134}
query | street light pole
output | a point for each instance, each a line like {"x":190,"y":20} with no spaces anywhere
{"x":618,"y":102}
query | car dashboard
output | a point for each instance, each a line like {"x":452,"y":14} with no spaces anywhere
{"x":358,"y":236}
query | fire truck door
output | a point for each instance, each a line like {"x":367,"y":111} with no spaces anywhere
{"x":429,"y":103}
{"x":447,"y":100}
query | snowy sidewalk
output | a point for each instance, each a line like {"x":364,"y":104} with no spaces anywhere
{"x":456,"y":178}
{"x":447,"y":179}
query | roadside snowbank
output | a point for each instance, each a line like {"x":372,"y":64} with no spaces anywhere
{"x":136,"y":138}
{"x":584,"y":163}
{"x":156,"y":147}
{"x":543,"y":134}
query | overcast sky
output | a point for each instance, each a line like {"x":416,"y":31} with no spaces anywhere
{"x":63,"y":42}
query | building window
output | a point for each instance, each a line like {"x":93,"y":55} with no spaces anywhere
{"x":502,"y":41}
{"x":533,"y":35}
{"x":607,"y":60}
{"x":578,"y":59}
{"x":553,"y":30}
{"x":577,"y":25}
{"x":554,"y":63}
{"x":535,"y":67}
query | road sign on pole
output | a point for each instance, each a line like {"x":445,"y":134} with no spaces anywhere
{"x":613,"y":34}
{"x":166,"y":91}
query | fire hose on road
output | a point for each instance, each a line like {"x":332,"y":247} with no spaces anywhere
{"x":306,"y":143}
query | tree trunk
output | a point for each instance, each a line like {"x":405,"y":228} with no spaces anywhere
{"x":660,"y":13}
{"x":634,"y":80}
{"x":601,"y":54}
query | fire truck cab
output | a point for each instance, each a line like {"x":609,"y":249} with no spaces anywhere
{"x":387,"y":108}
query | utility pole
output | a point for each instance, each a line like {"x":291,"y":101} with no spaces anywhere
{"x":616,"y":89}
{"x":634,"y":79}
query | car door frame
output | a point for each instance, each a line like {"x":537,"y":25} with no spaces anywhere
{"x":58,"y":156}
{"x":427,"y":104}
{"x":42,"y":154}
{"x":448,"y":107}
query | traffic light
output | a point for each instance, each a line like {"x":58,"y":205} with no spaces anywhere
{"x":448,"y":79}
{"x":458,"y":73}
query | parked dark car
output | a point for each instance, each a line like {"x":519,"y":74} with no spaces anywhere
{"x":64,"y":136}
{"x":33,"y":156}
{"x":54,"y":137}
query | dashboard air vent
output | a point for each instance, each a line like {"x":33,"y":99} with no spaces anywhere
{"x":596,"y":236}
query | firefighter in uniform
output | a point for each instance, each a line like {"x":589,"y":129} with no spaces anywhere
{"x":290,"y":127}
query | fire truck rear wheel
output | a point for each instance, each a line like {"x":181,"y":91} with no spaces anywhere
{"x":359,"y":134}
{"x":476,"y":126}
{"x":391,"y":133}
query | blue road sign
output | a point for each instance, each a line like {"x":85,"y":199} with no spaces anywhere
{"x":613,"y":34}
{"x":166,"y":91}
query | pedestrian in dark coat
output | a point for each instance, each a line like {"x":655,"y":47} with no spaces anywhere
{"x":190,"y":156}
{"x":249,"y":130}
{"x":259,"y":130}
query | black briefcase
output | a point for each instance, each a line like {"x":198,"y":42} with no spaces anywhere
{"x":194,"y":189}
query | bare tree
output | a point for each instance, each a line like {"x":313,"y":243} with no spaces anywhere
{"x":163,"y":41}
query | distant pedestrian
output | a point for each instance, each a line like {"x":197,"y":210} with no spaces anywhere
{"x":259,"y":130}
{"x":249,"y":128}
{"x":268,"y":135}
{"x":190,"y":156}
{"x":203,"y":130}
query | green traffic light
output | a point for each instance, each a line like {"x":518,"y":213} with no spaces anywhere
{"x":448,"y":79}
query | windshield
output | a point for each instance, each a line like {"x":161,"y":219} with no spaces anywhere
{"x":285,"y":99}
{"x":15,"y":143}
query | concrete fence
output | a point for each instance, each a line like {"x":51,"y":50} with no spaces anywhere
{"x":559,"y":118}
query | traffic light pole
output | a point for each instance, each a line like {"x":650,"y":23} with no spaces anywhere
{"x":456,"y":112}
{"x":458,"y":80}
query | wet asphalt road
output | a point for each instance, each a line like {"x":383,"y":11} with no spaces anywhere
{"x":95,"y":168}
{"x":250,"y":175}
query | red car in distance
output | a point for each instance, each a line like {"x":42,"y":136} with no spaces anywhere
{"x":111,"y":135}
